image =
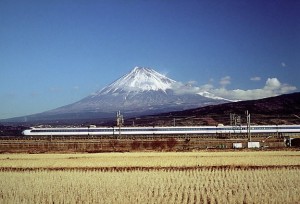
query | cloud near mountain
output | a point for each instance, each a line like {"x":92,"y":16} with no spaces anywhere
{"x":273,"y":87}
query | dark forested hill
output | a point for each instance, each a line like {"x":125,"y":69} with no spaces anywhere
{"x":283,"y":109}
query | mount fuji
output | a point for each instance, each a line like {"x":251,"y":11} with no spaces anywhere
{"x":141,"y":91}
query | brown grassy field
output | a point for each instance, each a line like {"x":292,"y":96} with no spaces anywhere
{"x":191,"y":177}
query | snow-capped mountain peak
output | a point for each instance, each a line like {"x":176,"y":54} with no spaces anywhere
{"x":142,"y":91}
{"x":139,"y":79}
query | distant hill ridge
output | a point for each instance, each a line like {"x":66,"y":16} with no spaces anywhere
{"x":283,"y":104}
{"x":283,"y":109}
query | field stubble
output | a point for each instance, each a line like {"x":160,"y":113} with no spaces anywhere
{"x":151,"y":159}
{"x":194,"y":177}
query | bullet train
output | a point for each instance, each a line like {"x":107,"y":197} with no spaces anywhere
{"x":176,"y":130}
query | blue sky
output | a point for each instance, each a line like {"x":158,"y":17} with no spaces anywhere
{"x":55,"y":52}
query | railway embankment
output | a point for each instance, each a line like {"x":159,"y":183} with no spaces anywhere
{"x":132,"y":144}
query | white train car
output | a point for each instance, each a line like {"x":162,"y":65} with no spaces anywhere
{"x":176,"y":130}
{"x":56,"y":131}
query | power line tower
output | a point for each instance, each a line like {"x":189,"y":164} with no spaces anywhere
{"x":120,"y":121}
{"x":248,"y":126}
{"x":235,"y":122}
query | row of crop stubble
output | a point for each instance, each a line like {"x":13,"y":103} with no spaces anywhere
{"x":151,"y":159}
{"x":147,"y":180}
{"x":276,"y":185}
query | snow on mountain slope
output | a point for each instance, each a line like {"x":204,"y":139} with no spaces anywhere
{"x":139,"y":79}
{"x":212,"y":96}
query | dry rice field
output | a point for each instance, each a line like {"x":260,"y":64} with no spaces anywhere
{"x":154,"y":177}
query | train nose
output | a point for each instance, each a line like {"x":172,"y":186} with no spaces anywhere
{"x":26,"y":132}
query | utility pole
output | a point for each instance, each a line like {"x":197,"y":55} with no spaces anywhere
{"x":232,"y":116}
{"x":235,"y":121}
{"x":120,"y":121}
{"x":248,"y":126}
{"x":232,"y":119}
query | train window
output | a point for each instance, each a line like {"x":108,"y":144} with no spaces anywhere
{"x":99,"y":130}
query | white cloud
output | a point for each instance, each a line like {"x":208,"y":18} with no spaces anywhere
{"x":272,"y":84}
{"x":188,"y":88}
{"x":283,"y":64}
{"x":76,"y":88}
{"x":272,"y":87}
{"x":225,"y":81}
{"x":255,"y":78}
{"x":192,"y":83}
